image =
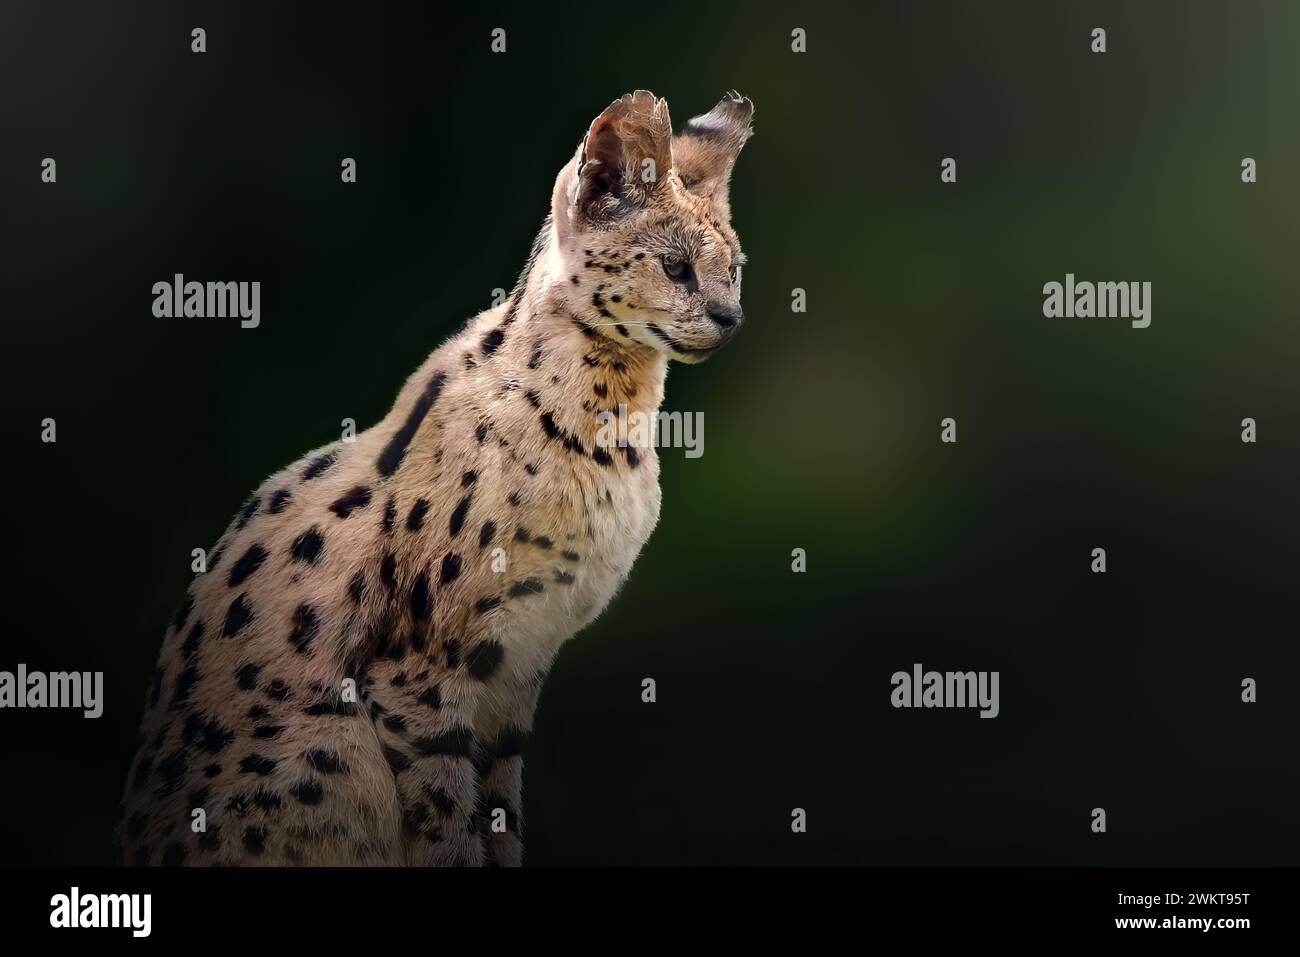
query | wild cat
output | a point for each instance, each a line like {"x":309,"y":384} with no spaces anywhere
{"x":353,"y":678}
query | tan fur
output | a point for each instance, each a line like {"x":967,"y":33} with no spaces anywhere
{"x":505,"y":456}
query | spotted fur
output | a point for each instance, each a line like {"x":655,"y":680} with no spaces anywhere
{"x":438,"y":561}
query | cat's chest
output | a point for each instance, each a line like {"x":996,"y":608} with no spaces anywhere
{"x":620,"y":523}
{"x":611,"y":516}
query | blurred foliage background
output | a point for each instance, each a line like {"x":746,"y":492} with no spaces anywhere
{"x":821,"y":429}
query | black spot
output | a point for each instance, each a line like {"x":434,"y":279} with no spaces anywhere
{"x":529,"y":586}
{"x":533,"y":398}
{"x":484,"y":605}
{"x":480,"y":433}
{"x":513,"y":498}
{"x":333,"y":705}
{"x":632,"y":458}
{"x":397,"y":761}
{"x":415,"y":520}
{"x":266,"y":800}
{"x":278,"y":690}
{"x":390,"y":516}
{"x":171,"y":770}
{"x":531,"y":469}
{"x":247,"y":677}
{"x":455,"y":742}
{"x":185,"y":683}
{"x":541,"y":541}
{"x":413,"y":818}
{"x":238,"y":615}
{"x":450,"y":568}
{"x":388,"y":572}
{"x":267,"y":730}
{"x":326,"y":762}
{"x":491,"y":341}
{"x":254,"y":839}
{"x":356,"y":497}
{"x":571,"y":556}
{"x":484,"y":658}
{"x":458,"y":516}
{"x":441,"y":800}
{"x":485,"y":536}
{"x":183,"y":612}
{"x":258,"y":764}
{"x":549,"y":426}
{"x":191,"y":643}
{"x":601,"y":457}
{"x":421,"y":599}
{"x":357,"y":587}
{"x":395,"y":723}
{"x":306,"y":623}
{"x":393,"y":452}
{"x":278,"y":501}
{"x":600,"y":389}
{"x":212,"y":770}
{"x":193,"y":726}
{"x":215,"y":737}
{"x":430,"y":696}
{"x":249,"y":511}
{"x":257,"y":712}
{"x":521,"y":535}
{"x":307,"y":546}
{"x":248,"y":563}
{"x":563,"y":578}
{"x":319,"y":465}
{"x":308,"y":792}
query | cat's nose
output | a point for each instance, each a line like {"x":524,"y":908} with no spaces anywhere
{"x":727,"y":317}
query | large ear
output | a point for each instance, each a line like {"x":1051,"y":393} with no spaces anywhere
{"x":706,"y":149}
{"x":626,"y":154}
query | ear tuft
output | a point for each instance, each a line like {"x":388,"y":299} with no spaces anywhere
{"x":728,"y":123}
{"x":707,"y":147}
{"x":624,"y":156}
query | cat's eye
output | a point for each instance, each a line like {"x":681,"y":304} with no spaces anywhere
{"x":675,"y":269}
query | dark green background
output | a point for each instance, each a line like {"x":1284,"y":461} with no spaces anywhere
{"x":821,"y":429}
